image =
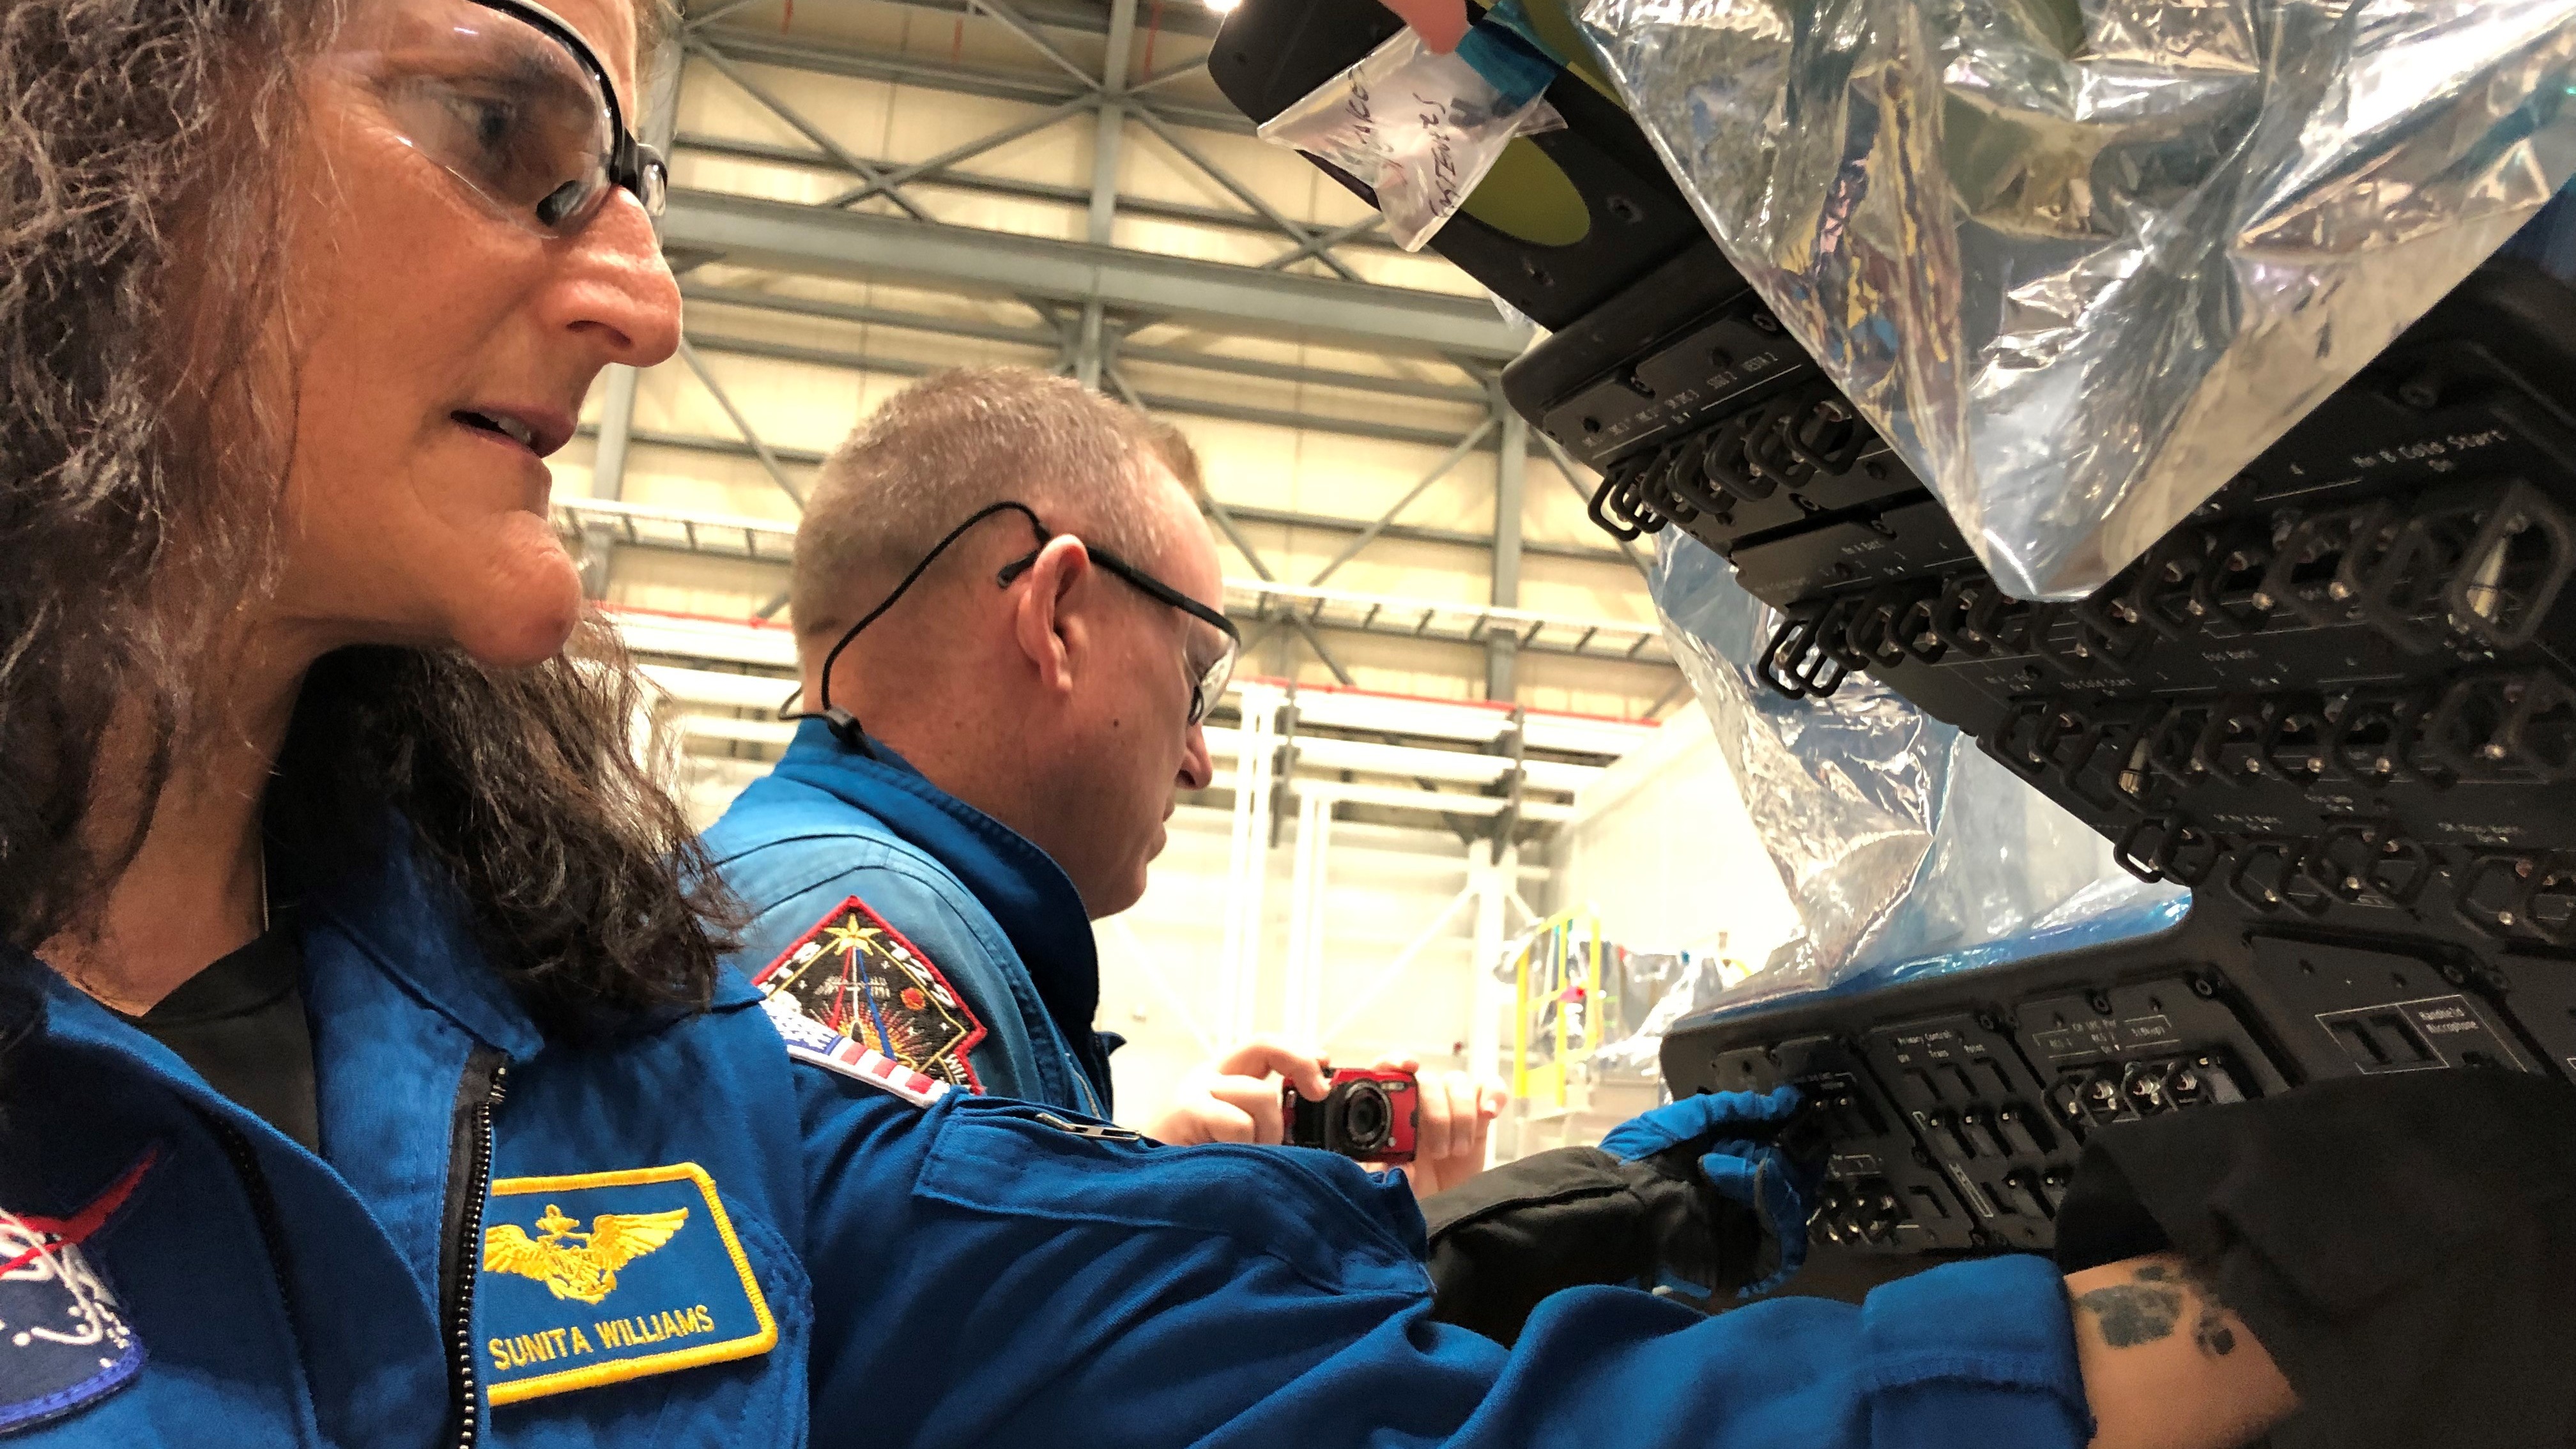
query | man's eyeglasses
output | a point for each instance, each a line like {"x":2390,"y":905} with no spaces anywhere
{"x":1206,"y":688}
{"x":1209,"y":685}
{"x":509,"y":99}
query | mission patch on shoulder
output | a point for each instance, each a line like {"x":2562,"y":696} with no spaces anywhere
{"x":856,"y":975}
{"x":812,"y":1042}
{"x":63,"y":1341}
{"x":600,"y":1277}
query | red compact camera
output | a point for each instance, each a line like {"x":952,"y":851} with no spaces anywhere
{"x":1370,"y":1115}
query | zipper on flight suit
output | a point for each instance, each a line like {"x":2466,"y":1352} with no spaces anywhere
{"x":469,"y":1185}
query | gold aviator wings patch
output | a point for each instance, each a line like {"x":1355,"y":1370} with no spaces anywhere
{"x":572,"y":1263}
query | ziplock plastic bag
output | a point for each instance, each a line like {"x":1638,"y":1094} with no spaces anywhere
{"x":1905,"y":849}
{"x":1420,"y":128}
{"x":2080,"y":260}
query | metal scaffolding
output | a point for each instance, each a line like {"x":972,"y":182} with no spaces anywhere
{"x":1255,"y":602}
{"x":1075,"y":61}
{"x":823,"y":241}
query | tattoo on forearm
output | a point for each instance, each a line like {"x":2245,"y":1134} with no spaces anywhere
{"x":2214,"y":1330}
{"x":2133,"y":1313}
{"x":2157,"y":1300}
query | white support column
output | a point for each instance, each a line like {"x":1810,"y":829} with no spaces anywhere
{"x":1510,"y":467}
{"x":1092,"y":347}
{"x":1309,"y":912}
{"x":608,"y":474}
{"x":617,"y":396}
{"x":1490,"y":1000}
{"x":1248,"y":863}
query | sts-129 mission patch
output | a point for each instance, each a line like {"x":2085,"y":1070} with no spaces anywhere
{"x":858,"y":976}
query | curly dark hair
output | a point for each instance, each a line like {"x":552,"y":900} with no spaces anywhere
{"x":140,"y":488}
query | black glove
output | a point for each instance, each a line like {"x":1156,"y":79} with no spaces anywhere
{"x":2404,"y":1247}
{"x":1684,"y":1197}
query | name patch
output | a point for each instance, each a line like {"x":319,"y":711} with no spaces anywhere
{"x":601,"y":1277}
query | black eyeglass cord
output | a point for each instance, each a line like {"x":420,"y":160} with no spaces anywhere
{"x":845,"y":726}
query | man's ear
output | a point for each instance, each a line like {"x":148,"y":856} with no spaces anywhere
{"x":1052,"y":623}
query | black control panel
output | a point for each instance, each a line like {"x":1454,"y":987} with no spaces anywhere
{"x":2338,"y":702}
{"x":1955,"y":1116}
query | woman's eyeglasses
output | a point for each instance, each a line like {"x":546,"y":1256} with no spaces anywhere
{"x":510,"y":100}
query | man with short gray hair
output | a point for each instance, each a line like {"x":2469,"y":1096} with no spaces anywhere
{"x":1009,"y":621}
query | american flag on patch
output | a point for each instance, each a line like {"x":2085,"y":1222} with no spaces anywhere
{"x":810,"y":1041}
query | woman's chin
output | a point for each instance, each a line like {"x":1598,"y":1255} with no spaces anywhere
{"x":524,"y":616}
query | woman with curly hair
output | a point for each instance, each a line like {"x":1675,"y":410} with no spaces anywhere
{"x":316,"y":796}
{"x":369,"y":1074}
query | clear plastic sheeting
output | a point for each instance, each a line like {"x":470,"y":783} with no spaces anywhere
{"x":1594,"y":1009}
{"x":1417,"y":127}
{"x":2080,"y":260}
{"x":1905,"y":848}
{"x":1667,"y":987}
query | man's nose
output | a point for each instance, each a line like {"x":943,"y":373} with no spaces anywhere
{"x":1197,"y":770}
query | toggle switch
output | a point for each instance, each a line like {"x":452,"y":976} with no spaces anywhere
{"x":2023,"y":1133}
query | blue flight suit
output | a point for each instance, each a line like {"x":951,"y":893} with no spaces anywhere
{"x":993,"y":913}
{"x":681,"y":1237}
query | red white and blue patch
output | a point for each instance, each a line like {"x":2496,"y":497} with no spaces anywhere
{"x":856,"y":975}
{"x":818,"y":1045}
{"x":64,"y":1341}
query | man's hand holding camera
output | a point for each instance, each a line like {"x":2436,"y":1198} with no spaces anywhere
{"x":1241,"y":1097}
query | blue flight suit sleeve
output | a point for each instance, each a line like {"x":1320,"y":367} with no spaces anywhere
{"x":793,"y":885}
{"x":984,"y":1276}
